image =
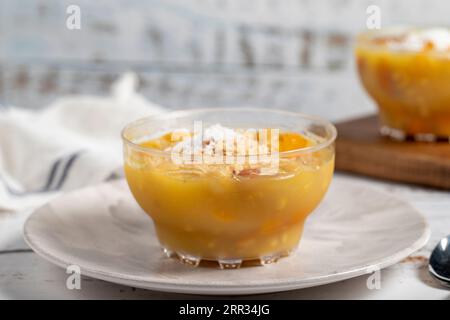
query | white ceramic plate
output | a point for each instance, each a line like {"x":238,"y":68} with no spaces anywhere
{"x":102,"y":230}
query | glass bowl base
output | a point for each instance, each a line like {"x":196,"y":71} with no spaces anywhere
{"x":400,"y":135}
{"x":225,"y":263}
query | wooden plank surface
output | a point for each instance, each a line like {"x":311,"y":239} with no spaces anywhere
{"x":291,"y":54}
{"x":360,"y":149}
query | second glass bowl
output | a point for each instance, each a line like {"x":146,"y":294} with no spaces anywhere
{"x":407,"y":72}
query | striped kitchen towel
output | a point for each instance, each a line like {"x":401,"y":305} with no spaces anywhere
{"x":70,"y":144}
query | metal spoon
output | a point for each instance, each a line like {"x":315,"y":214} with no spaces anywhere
{"x":439,"y":264}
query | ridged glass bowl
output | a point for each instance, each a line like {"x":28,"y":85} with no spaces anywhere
{"x":200,"y":213}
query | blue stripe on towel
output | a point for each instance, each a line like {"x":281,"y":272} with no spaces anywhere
{"x":66,"y":170}
{"x":68,"y":164}
{"x":51,"y":176}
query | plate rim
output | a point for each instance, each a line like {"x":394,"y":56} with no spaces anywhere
{"x":169,"y":285}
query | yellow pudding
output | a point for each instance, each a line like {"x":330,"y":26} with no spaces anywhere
{"x":407,"y":73}
{"x":229,"y":212}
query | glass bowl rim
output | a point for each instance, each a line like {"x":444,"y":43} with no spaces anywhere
{"x":187,"y":112}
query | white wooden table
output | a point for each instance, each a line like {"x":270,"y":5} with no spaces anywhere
{"x":24,"y":275}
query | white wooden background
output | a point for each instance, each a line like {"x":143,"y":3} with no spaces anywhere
{"x":292,"y":54}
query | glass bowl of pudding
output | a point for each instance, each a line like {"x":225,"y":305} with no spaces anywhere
{"x":229,"y":185}
{"x":407,"y":72}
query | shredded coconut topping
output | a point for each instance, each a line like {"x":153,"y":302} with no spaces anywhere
{"x":221,"y":145}
{"x":418,"y":40}
{"x":212,"y":140}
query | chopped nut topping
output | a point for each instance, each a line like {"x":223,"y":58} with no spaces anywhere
{"x":249,"y":172}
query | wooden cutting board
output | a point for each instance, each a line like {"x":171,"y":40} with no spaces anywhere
{"x":360,"y":149}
